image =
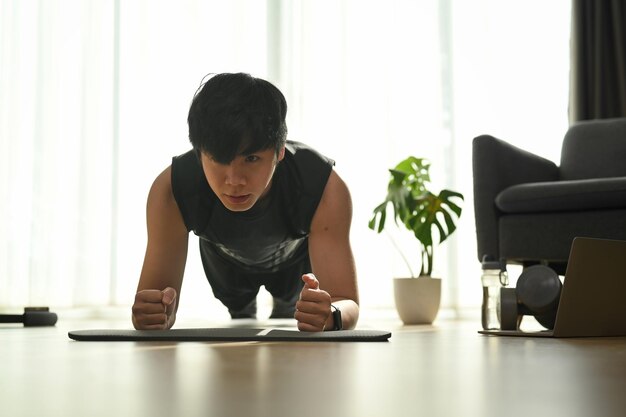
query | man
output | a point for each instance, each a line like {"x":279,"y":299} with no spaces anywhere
{"x":267,"y":211}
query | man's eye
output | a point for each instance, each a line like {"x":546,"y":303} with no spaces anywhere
{"x":252,"y":158}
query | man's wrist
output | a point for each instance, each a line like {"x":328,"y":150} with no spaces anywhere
{"x":335,"y":316}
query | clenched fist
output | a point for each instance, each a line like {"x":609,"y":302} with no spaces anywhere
{"x":154,"y":309}
{"x":313,"y":307}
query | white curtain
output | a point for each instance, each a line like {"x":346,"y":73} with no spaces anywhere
{"x":94,"y":96}
{"x":371,"y":82}
{"x":56,"y":152}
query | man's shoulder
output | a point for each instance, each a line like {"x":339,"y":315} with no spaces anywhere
{"x":187,"y":173}
{"x":185,"y":159}
{"x":302,"y":153}
{"x":303,"y":175}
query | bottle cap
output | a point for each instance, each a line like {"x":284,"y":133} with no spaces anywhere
{"x":489,"y":262}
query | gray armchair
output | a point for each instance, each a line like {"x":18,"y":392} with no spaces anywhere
{"x":528,"y":210}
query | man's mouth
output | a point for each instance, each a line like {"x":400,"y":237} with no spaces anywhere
{"x":238,"y":199}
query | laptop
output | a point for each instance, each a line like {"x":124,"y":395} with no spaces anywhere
{"x":593,"y":297}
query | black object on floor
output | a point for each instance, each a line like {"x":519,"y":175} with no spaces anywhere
{"x":32,"y":317}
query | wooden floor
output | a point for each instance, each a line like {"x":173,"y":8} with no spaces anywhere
{"x":443,"y":370}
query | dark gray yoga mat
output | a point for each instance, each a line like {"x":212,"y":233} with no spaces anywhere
{"x":229,"y":335}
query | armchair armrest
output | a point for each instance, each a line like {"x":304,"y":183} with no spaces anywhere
{"x":497,"y":165}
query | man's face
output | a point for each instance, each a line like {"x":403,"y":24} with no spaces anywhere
{"x":245,"y":180}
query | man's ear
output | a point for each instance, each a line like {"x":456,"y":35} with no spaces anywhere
{"x":281,"y":154}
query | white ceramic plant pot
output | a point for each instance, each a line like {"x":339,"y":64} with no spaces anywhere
{"x":417,"y":299}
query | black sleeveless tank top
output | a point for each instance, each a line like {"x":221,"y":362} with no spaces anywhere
{"x":270,"y":236}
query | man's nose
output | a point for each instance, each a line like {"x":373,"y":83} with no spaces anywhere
{"x":235,"y":175}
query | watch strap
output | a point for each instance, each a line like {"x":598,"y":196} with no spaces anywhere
{"x":338,"y":324}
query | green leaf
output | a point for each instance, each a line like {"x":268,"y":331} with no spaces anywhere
{"x":417,"y":208}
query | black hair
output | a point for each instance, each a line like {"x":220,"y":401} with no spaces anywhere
{"x":237,"y":114}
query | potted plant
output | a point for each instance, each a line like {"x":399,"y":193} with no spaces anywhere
{"x":421,"y":212}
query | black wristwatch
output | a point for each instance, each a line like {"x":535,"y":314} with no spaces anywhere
{"x":336,"y":318}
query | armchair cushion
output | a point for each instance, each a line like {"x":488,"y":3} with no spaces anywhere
{"x":553,"y":196}
{"x":594,"y":149}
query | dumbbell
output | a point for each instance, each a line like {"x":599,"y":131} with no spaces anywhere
{"x":536,"y":293}
{"x":33,"y":316}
